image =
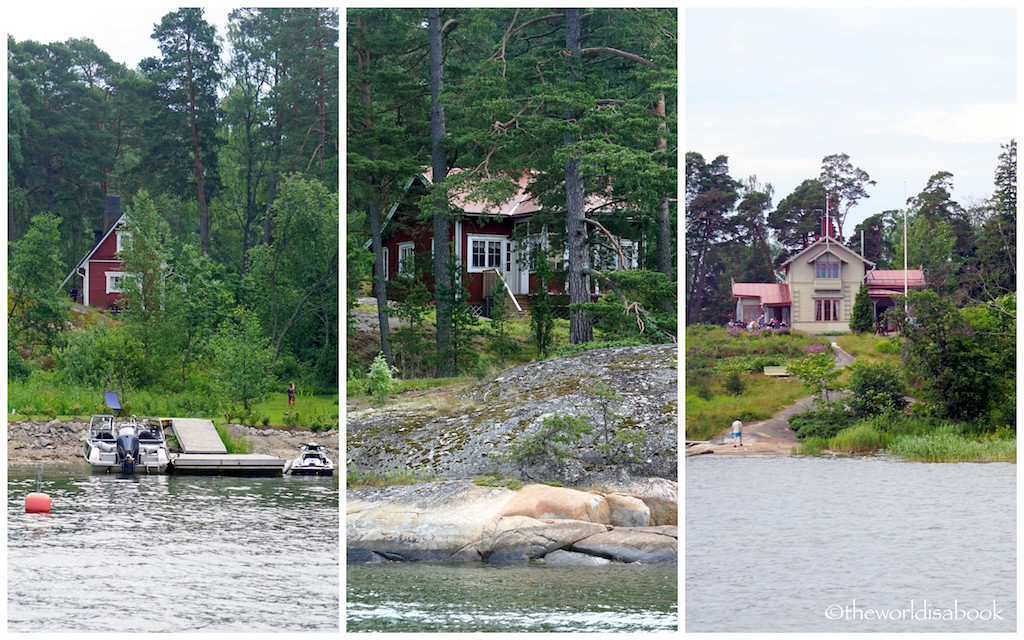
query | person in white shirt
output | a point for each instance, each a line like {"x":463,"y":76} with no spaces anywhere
{"x":737,"y":433}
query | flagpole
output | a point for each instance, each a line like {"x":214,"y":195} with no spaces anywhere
{"x":905,"y":247}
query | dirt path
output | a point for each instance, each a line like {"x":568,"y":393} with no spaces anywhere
{"x":768,"y":436}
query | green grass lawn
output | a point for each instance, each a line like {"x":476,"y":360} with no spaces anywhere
{"x":762,"y":398}
{"x":304,"y":404}
{"x":865,"y":348}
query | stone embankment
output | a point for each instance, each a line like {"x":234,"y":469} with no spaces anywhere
{"x":632,"y":521}
{"x":57,"y":442}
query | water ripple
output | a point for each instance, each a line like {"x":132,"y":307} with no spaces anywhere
{"x":174,"y":553}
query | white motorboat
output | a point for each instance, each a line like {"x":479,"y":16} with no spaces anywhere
{"x":126,"y":446}
{"x":312,"y":461}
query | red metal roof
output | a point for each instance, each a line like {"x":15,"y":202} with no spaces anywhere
{"x":768,"y":293}
{"x":884,"y":293}
{"x":893,"y":279}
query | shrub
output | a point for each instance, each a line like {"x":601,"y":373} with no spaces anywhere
{"x":876,"y":389}
{"x":822,"y":423}
{"x":888,"y":347}
{"x":734,"y":383}
{"x":322,"y":422}
{"x":380,"y":381}
{"x":17,"y":368}
{"x":290,"y":418}
{"x":548,"y":442}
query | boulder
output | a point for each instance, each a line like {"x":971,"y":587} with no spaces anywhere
{"x":630,"y":545}
{"x":520,"y":538}
{"x":627,"y":511}
{"x":543,"y":502}
{"x":661,"y":495}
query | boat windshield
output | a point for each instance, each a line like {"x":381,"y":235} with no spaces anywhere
{"x":98,"y":423}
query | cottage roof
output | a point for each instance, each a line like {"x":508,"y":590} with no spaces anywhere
{"x":522,"y":203}
{"x":769,"y":294}
{"x":106,"y":235}
{"x":893,"y":278}
{"x":814,"y":250}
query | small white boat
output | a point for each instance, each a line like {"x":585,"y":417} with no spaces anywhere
{"x":125,"y":446}
{"x":312,"y":461}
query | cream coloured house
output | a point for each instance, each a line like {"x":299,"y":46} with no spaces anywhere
{"x":821,"y":283}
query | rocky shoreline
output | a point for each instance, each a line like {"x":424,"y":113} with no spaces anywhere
{"x":618,"y":510}
{"x":60,"y":443}
{"x":458,"y":521}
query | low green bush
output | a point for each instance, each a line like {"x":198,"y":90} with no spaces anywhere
{"x":888,"y":347}
{"x":734,"y":383}
{"x":821,"y":423}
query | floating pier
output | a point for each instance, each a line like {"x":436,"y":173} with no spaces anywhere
{"x":203,"y":452}
{"x":227,"y":464}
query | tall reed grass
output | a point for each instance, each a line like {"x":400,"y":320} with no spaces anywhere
{"x":946,"y":446}
{"x":233,"y":444}
{"x":860,"y":438}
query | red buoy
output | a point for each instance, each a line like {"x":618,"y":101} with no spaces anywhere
{"x":37,"y":503}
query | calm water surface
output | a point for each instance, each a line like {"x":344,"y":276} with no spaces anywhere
{"x":482,"y":597}
{"x":851,"y":544}
{"x":173,"y":553}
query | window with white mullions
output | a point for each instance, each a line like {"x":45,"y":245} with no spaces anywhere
{"x":826,"y":267}
{"x":406,"y":257}
{"x":826,"y":310}
{"x":115,"y":282}
{"x":485,"y":253}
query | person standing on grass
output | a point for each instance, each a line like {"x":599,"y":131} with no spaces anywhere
{"x":737,"y":433}
{"x":291,"y":394}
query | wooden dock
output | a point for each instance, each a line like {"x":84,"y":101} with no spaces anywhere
{"x":203,"y":452}
{"x":227,"y":464}
{"x":197,"y":436}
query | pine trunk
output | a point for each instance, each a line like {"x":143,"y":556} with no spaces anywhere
{"x":442,"y":251}
{"x":665,"y":231}
{"x":376,"y":241}
{"x":580,"y":325}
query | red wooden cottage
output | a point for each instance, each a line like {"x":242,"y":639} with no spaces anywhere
{"x":98,"y":278}
{"x":492,"y":242}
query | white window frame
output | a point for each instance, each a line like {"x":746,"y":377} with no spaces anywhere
{"x":121,"y":235}
{"x":406,"y":268}
{"x":487,"y":240}
{"x":111,"y":280}
{"x":833,"y":306}
{"x":827,"y":263}
{"x":386,"y":259}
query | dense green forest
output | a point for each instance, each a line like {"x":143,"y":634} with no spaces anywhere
{"x":226,"y":163}
{"x":734,"y":231}
{"x":586,"y":100}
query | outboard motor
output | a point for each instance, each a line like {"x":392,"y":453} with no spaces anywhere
{"x":127,"y":450}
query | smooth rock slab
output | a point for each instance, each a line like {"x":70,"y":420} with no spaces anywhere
{"x":520,"y":539}
{"x":630,"y":545}
{"x":442,"y":522}
{"x":543,"y":502}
